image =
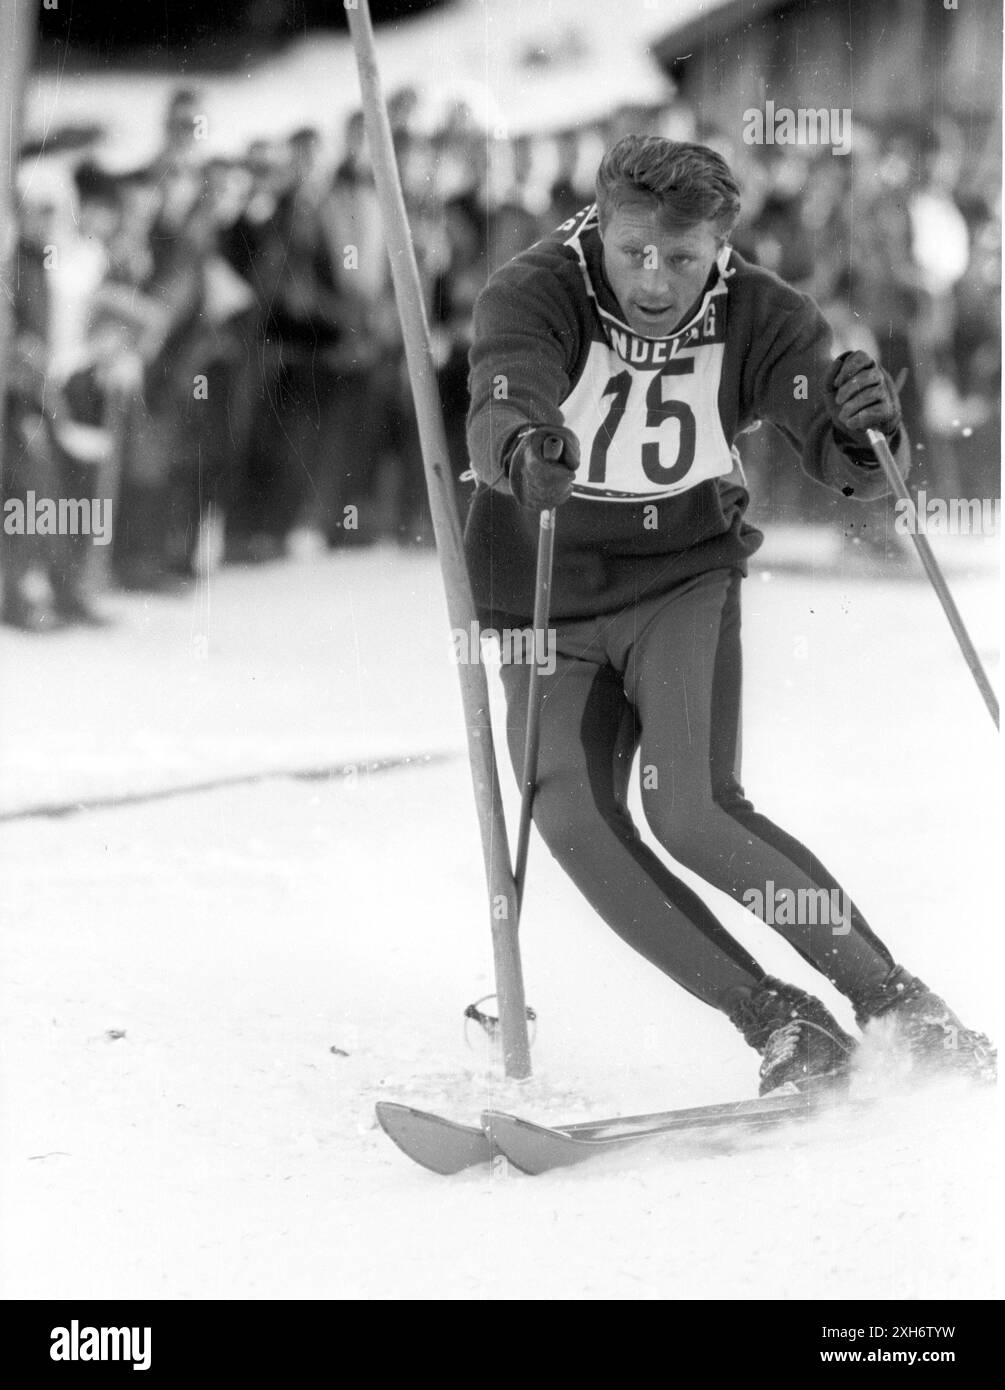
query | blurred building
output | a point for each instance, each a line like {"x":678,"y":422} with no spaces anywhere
{"x":887,"y":60}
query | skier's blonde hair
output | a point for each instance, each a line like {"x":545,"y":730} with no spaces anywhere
{"x":686,"y":183}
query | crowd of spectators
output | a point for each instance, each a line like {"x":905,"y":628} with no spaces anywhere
{"x":213,"y":343}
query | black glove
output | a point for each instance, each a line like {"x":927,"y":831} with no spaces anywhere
{"x":541,"y":464}
{"x":860,"y":396}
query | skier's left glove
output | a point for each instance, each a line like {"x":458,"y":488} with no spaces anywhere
{"x":860,"y":396}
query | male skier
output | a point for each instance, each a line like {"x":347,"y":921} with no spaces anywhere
{"x":638,"y":338}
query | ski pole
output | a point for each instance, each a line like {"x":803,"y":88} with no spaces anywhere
{"x":503,"y":903}
{"x":542,"y":605}
{"x":893,"y":475}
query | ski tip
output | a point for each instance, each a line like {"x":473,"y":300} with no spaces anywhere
{"x":502,"y":1119}
{"x":390,"y":1113}
{"x":441,"y":1145}
{"x":531,"y":1148}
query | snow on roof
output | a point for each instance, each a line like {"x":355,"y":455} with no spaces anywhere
{"x":520,"y":64}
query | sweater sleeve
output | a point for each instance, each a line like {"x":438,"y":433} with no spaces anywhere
{"x":788,"y":389}
{"x":526,"y":344}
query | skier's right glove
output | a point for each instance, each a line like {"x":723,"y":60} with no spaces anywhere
{"x":541,"y":464}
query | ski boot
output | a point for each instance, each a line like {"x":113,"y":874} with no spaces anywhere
{"x":802,"y":1046}
{"x":935,"y":1038}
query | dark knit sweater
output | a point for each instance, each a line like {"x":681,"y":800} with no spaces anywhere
{"x":547,"y":317}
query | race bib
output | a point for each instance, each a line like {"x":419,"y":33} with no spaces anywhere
{"x":646,"y":411}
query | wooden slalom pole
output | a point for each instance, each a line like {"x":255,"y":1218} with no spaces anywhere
{"x":17,"y":44}
{"x":504,"y":904}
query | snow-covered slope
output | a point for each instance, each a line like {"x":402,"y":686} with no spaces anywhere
{"x":182,"y":978}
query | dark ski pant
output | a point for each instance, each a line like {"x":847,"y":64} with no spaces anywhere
{"x":663,"y":678}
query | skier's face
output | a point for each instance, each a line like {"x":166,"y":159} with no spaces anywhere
{"x":657,"y":274}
